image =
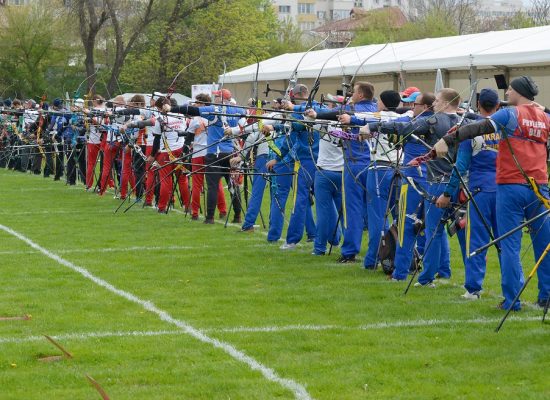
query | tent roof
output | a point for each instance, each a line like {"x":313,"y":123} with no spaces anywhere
{"x":512,"y":47}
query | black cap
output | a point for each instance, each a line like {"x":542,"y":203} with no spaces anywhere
{"x":525,"y":86}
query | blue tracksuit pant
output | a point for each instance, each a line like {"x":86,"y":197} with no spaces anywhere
{"x":280,"y":189}
{"x":436,"y":254}
{"x":514,"y":203}
{"x":378,"y":190}
{"x":404,"y":253}
{"x":477,"y":236}
{"x":258,"y":187}
{"x":328,"y":203}
{"x":305,"y":179}
{"x":355,"y":198}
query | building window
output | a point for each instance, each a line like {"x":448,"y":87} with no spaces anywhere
{"x":358,"y":3}
{"x":284,"y":9}
{"x":307,"y":26}
{"x":339,"y":14}
{"x":305,"y":8}
{"x":320,"y":15}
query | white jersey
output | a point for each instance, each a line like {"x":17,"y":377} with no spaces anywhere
{"x":95,"y":127}
{"x":117,"y":121}
{"x":147,"y":114}
{"x":29,"y":117}
{"x":331,"y":156}
{"x":381,"y":149}
{"x":197,"y":126}
{"x":170,"y":139}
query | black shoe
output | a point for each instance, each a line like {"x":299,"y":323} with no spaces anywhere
{"x":542,"y":303}
{"x":237,"y":219}
{"x":246,"y":230}
{"x":310,"y":239}
{"x":346,"y":259}
{"x":209,"y":221}
{"x":223,"y":215}
{"x":194,"y":218}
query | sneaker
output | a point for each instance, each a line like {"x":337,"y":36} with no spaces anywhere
{"x":209,"y":221}
{"x":317,"y":253}
{"x":471,"y":296}
{"x":370,"y":267}
{"x":392,"y":279}
{"x":310,"y":240}
{"x":194,"y":218}
{"x":148,"y":205}
{"x":223,"y":215}
{"x":246,"y":230}
{"x":237,"y":220}
{"x":288,"y":246}
{"x":427,"y":285}
{"x":346,"y":259}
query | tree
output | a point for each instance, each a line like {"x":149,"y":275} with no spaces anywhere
{"x":216,"y":31}
{"x":126,"y":24}
{"x":30,"y":48}
{"x":540,"y":12}
{"x":91,"y":17}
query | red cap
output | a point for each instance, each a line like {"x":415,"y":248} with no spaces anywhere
{"x":410,"y":90}
{"x":224,"y":93}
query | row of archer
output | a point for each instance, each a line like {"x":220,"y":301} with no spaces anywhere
{"x":308,"y":155}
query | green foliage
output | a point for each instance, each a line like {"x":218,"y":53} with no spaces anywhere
{"x":218,"y":33}
{"x":32,"y":54}
{"x":378,"y":29}
{"x":288,"y":39}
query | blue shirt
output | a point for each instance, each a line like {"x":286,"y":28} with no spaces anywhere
{"x":216,"y":127}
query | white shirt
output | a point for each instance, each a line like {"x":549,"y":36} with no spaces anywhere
{"x":331,"y":156}
{"x":380,"y":148}
{"x":171,"y":140}
{"x":95,"y":127}
{"x":200,"y":141}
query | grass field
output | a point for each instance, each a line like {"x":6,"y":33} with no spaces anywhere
{"x":161,"y":307}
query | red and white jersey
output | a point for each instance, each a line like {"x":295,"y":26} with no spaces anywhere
{"x":113,"y":134}
{"x":198,"y":126}
{"x":170,"y":139}
{"x":95,"y":126}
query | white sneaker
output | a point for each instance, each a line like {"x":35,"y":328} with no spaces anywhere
{"x":288,"y":246}
{"x":427,"y":285}
{"x":471,"y":296}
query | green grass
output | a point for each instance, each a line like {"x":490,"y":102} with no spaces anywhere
{"x":433,"y":346}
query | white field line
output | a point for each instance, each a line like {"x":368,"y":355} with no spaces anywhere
{"x":273,"y":329}
{"x":111,"y":249}
{"x":46,"y":212}
{"x":297,"y":389}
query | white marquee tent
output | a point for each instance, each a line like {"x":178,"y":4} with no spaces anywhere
{"x":507,"y":51}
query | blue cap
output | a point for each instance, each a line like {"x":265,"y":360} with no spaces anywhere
{"x":411,"y":98}
{"x":57,"y":102}
{"x":7,"y":102}
{"x":488,"y":98}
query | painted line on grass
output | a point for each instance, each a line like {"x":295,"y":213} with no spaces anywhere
{"x":299,"y":390}
{"x":272,"y":329}
{"x":367,"y":327}
{"x":110,"y":249}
